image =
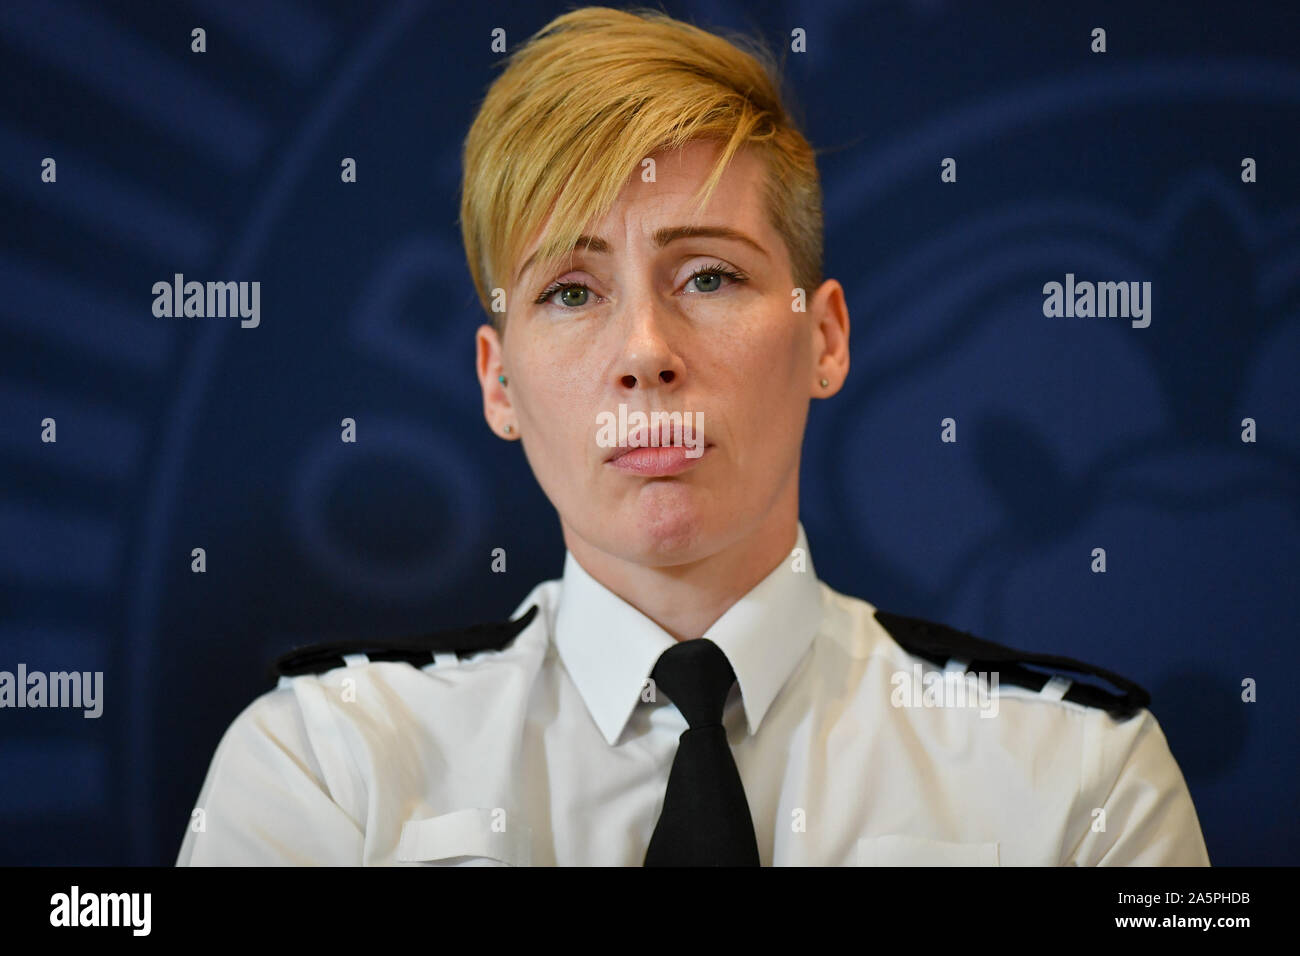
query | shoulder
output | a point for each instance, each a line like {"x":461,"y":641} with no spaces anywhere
{"x":331,"y":696}
{"x":417,"y":649}
{"x":1070,"y":730}
{"x":335,"y":704}
{"x":865,"y":630}
{"x":481,"y":639}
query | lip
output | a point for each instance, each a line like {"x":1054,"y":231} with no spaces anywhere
{"x":656,"y":462}
{"x":670,"y":435}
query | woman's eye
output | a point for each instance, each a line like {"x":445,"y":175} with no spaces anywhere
{"x":571,"y":295}
{"x":574,"y":295}
{"x":709,"y":279}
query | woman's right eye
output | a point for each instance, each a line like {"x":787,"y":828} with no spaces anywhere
{"x":566,"y":291}
{"x":574,"y":295}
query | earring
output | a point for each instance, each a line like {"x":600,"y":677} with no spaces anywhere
{"x":501,"y":379}
{"x":509,"y":429}
{"x":825,"y":383}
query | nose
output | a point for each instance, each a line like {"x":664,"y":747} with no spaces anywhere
{"x":648,"y":359}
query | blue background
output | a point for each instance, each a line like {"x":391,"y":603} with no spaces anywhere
{"x":1073,"y":433}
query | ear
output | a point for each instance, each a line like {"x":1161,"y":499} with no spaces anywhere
{"x":830,"y":316}
{"x":490,"y":365}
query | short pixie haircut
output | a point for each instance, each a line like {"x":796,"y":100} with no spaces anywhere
{"x":586,"y":99}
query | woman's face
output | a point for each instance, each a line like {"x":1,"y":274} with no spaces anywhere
{"x":639,"y":326}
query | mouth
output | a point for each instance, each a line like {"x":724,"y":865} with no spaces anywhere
{"x":657,"y":462}
{"x":658,"y":452}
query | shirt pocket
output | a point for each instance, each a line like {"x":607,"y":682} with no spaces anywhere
{"x":899,"y":849}
{"x":470,"y":837}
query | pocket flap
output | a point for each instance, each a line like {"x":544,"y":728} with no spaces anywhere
{"x":473,"y":832}
{"x":898,"y":849}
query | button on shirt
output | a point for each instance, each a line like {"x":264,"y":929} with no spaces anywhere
{"x":553,"y":751}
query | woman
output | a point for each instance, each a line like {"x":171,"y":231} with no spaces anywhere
{"x":643,"y":225}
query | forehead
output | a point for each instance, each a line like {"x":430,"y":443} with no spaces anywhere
{"x":679,"y":173}
{"x":669,"y":199}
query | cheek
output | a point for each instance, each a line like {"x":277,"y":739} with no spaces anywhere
{"x":770,"y":357}
{"x":553,"y":405}
{"x":764,"y":368}
{"x":553,"y":381}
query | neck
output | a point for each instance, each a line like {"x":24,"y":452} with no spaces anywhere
{"x":686,"y":599}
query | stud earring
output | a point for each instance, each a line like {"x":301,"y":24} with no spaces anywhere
{"x":501,"y":379}
{"x":825,"y":383}
{"x":509,"y":429}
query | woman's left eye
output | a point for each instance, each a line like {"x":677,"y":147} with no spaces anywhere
{"x":709,"y":279}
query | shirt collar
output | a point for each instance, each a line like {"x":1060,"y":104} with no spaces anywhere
{"x":609,"y":647}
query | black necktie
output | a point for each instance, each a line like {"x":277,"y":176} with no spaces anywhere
{"x":705,"y":820}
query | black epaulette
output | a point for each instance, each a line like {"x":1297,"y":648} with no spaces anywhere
{"x":939,"y":643}
{"x":462,"y":641}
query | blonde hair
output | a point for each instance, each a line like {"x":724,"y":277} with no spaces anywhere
{"x":586,"y":99}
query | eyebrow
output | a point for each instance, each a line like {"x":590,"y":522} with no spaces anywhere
{"x":662,"y":237}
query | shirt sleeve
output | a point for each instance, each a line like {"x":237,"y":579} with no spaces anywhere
{"x":265,"y":801}
{"x":1150,"y":820}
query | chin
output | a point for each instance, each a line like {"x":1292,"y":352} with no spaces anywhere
{"x":665,"y":526}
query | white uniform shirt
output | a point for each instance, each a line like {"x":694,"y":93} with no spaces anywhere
{"x":545,"y":752}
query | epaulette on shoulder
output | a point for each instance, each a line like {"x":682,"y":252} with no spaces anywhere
{"x":419,"y":650}
{"x":939,"y":643}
